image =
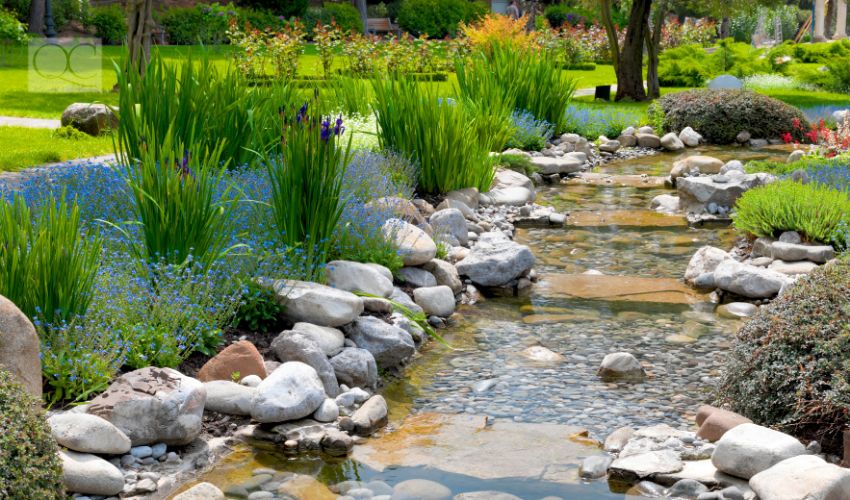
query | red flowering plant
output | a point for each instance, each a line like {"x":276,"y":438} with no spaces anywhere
{"x":830,"y":142}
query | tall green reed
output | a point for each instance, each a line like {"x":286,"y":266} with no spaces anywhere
{"x":522,"y":78}
{"x":447,"y":139}
{"x":306,"y":183}
{"x":47,"y":264}
{"x":182,"y":203}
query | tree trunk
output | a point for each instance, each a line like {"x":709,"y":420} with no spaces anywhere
{"x":653,"y":48}
{"x":36,"y":25}
{"x":361,"y":8}
{"x":611,"y":31}
{"x":630,"y":67}
{"x":140,"y":26}
{"x":829,"y":21}
{"x":725,"y":27}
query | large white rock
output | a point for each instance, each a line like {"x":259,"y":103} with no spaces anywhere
{"x":705,"y":260}
{"x":690,"y":137}
{"x":292,"y":346}
{"x":229,"y":397}
{"x":697,"y":164}
{"x":696,"y":193}
{"x":88,"y":434}
{"x":330,"y":340}
{"x":562,"y":165}
{"x":357,"y":277}
{"x":749,"y":281}
{"x":291,"y":392}
{"x":646,"y":464}
{"x":414,"y":245}
{"x":747,"y":449}
{"x":496,"y":260}
{"x":665,"y":203}
{"x":389,"y":344}
{"x":154,"y":405}
{"x":804,"y":477}
{"x":450,"y":221}
{"x":318,"y":304}
{"x":671,"y":142}
{"x":90,"y":474}
{"x":508,"y":188}
{"x":436,"y":300}
{"x":201,"y":491}
{"x":620,"y":365}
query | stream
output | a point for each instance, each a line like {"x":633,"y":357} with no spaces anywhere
{"x":491,"y":415}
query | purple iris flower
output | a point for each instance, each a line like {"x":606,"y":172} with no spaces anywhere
{"x":326,"y":130}
{"x":183,"y":167}
{"x":302,"y":114}
{"x":338,"y":128}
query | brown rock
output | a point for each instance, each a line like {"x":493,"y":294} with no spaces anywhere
{"x":715,"y":422}
{"x":19,"y":347}
{"x":240,"y":357}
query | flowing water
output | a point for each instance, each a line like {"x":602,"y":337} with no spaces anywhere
{"x":634,"y":302}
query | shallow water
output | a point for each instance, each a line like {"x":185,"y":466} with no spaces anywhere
{"x":638,"y":305}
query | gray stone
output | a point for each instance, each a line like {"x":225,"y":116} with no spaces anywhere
{"x":562,"y":165}
{"x":459,"y":205}
{"x":690,"y":137}
{"x":758,"y":143}
{"x":436,"y":300}
{"x":646,"y":464}
{"x":330,"y":340}
{"x":93,"y":119}
{"x":327,"y":412}
{"x":627,"y":140}
{"x":696,"y":193}
{"x":400,"y":320}
{"x":414,"y":245}
{"x":725,"y":82}
{"x":371,"y":416}
{"x":617,"y":440}
{"x":496,"y":261}
{"x":686,"y":488}
{"x":336,"y":443}
{"x":358,"y":277}
{"x":485,"y":495}
{"x":19,"y":347}
{"x":790,"y":237}
{"x":665,"y":203}
{"x":732,"y":166}
{"x":352,"y":397}
{"x":154,"y":405}
{"x":650,"y":141}
{"x":389,"y":344}
{"x":375,"y":305}
{"x":404,"y":299}
{"x":417,"y":277}
{"x":317,"y":304}
{"x":251,"y":380}
{"x":421,"y":489}
{"x":694,"y":165}
{"x":291,"y":392}
{"x":743,"y":136}
{"x":792,"y":252}
{"x":795,"y":156}
{"x":228,"y":397}
{"x":612,"y":146}
{"x":749,"y":281}
{"x":620,"y":365}
{"x":89,"y":474}
{"x":792,"y":268}
{"x":737,"y":310}
{"x":595,"y":466}
{"x":671,"y":142}
{"x":646,"y":129}
{"x":201,"y":491}
{"x":292,"y":346}
{"x":445,"y":273}
{"x":450,"y":222}
{"x":805,"y":477}
{"x":509,"y":188}
{"x":747,"y":449}
{"x":88,"y":434}
{"x":467,"y":196}
{"x":705,"y":260}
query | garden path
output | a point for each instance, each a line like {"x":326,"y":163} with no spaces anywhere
{"x":16,"y":121}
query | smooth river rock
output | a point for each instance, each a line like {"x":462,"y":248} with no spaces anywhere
{"x":804,"y":477}
{"x":450,"y":221}
{"x":414,"y":244}
{"x":435,"y":300}
{"x":322,"y":305}
{"x":88,"y":434}
{"x":201,"y":491}
{"x":330,"y":340}
{"x":358,"y":277}
{"x":389,"y":344}
{"x":496,"y":261}
{"x":749,"y":281}
{"x":292,"y":346}
{"x":646,"y":464}
{"x":620,"y":366}
{"x":291,"y":392}
{"x":229,"y":397}
{"x":20,"y":347}
{"x":748,"y":449}
{"x":355,"y":367}
{"x":90,"y":474}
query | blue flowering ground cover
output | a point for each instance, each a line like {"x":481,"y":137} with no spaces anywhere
{"x":144,"y":314}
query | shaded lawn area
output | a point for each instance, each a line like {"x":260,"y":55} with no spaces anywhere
{"x":26,"y":147}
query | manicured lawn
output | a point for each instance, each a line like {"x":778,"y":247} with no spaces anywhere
{"x":24,"y":147}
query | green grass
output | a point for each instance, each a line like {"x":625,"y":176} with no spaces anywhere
{"x":25,"y":147}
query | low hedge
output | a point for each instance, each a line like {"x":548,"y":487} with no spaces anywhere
{"x":790,"y":364}
{"x":719,"y":115}
{"x":438,"y":18}
{"x":29,"y":465}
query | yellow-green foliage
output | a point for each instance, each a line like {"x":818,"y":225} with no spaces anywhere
{"x":814,"y":210}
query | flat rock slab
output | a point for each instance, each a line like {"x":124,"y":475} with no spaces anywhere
{"x":464,"y":444}
{"x":629,"y":218}
{"x":618,"y":288}
{"x":630,"y":180}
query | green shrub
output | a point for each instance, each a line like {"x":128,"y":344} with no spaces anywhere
{"x":444,"y":137}
{"x":692,"y":66}
{"x":788,"y":367}
{"x":109,"y":23}
{"x":29,"y":464}
{"x":437,"y":18}
{"x":560,"y":14}
{"x":11,"y":30}
{"x":205,"y":24}
{"x":306,"y":182}
{"x":345,"y":15}
{"x":719,"y":115}
{"x":285,"y":8}
{"x":813,"y":210}
{"x":833,"y":77}
{"x":47,"y":267}
{"x":517,"y":163}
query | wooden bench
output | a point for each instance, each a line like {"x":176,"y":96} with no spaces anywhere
{"x":376,"y":25}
